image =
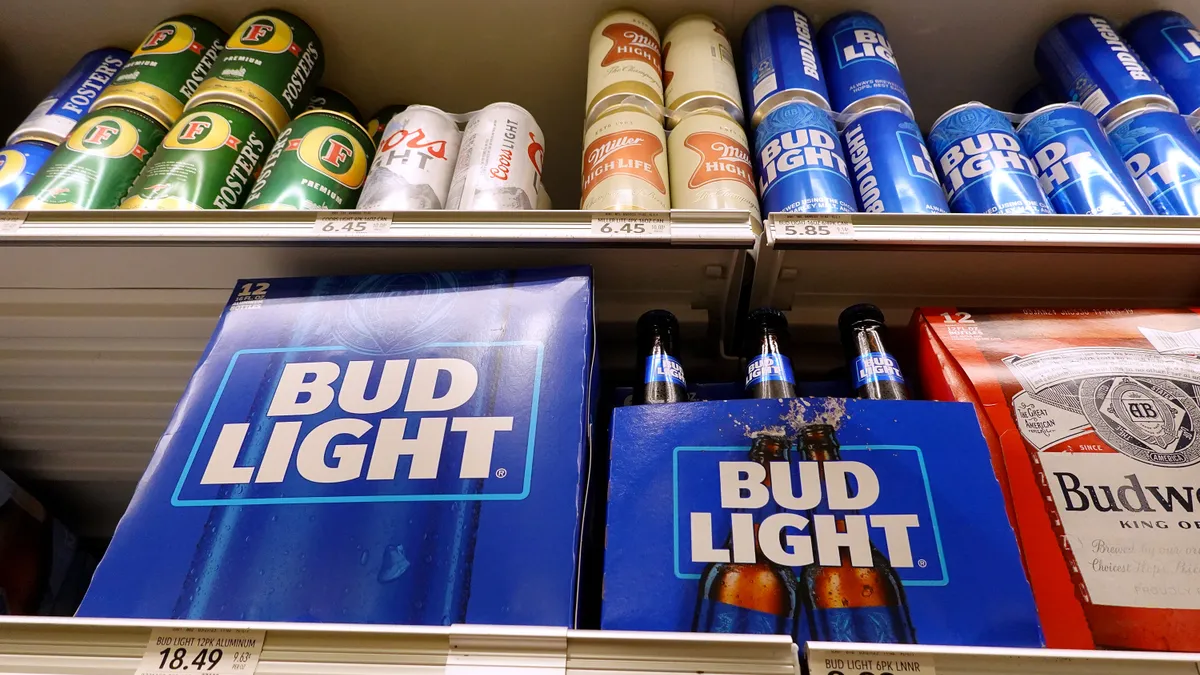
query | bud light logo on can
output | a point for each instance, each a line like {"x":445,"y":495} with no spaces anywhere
{"x":664,"y":368}
{"x":876,"y":367}
{"x":769,"y":368}
{"x":892,"y":169}
{"x":1163,"y":156}
{"x":800,"y":162}
{"x":1169,"y":44}
{"x":859,"y":61}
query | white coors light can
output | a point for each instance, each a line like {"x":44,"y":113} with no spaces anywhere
{"x":710,"y":164}
{"x":625,"y":162}
{"x":500,"y":162}
{"x":698,"y":69}
{"x":415,"y":162}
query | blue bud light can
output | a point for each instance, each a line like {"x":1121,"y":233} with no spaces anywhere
{"x":982,"y":165}
{"x":800,"y":164}
{"x":56,"y":115}
{"x":1163,"y":155}
{"x":1169,"y":44}
{"x":859,"y":64}
{"x":890,"y":165}
{"x":1079,"y":169}
{"x":1085,"y":58}
{"x":1035,"y":98}
{"x":779,"y":62}
{"x":18,"y":163}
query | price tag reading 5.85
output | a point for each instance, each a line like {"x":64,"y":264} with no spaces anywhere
{"x":207,"y":651}
{"x":632,"y":226}
{"x":815,"y":228}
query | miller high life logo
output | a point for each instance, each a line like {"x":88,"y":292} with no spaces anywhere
{"x":721,"y":158}
{"x":202,"y":131}
{"x":629,"y":42}
{"x":170,"y":37}
{"x":334,"y":153}
{"x":106,"y":136}
{"x":265,"y":34}
{"x":630,"y":152}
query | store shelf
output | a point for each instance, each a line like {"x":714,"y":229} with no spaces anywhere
{"x":876,"y":659}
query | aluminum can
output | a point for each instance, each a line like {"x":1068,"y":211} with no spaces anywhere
{"x":799,"y":161}
{"x":624,"y":59}
{"x":1163,"y":156}
{"x":166,"y":68}
{"x":698,"y":68}
{"x":710,"y":165}
{"x":1035,"y":98}
{"x":319,"y":162}
{"x":380,"y":119}
{"x":270,"y":67}
{"x":500,"y":161}
{"x":625,"y":161}
{"x":860,"y":67}
{"x":415,"y":163}
{"x":95,"y":167}
{"x":19,"y":163}
{"x":890,"y":165}
{"x":52,"y":120}
{"x":1079,"y":169}
{"x":325,"y":98}
{"x":207,"y":161}
{"x":780,"y":62}
{"x":1169,"y":44}
{"x":1084,"y":57}
{"x":983,"y":168}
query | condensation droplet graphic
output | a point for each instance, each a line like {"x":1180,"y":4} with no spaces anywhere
{"x":362,"y":559}
{"x":394,"y":564}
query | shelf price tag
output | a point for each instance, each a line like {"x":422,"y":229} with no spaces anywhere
{"x":207,"y":651}
{"x":11,"y":221}
{"x":813,"y":225}
{"x":352,"y":223}
{"x":631,"y":225}
{"x":835,"y":662}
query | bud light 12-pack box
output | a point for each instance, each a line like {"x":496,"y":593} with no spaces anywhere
{"x":823,"y":519}
{"x":1093,"y":416}
{"x":407,"y":449}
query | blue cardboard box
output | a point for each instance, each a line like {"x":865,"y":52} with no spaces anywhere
{"x":406,"y":449}
{"x":824,"y":519}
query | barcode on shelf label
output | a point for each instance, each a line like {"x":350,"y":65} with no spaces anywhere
{"x":207,"y":651}
{"x":832,"y":662}
{"x":631,"y":225}
{"x":809,"y":225}
{"x":1183,"y":342}
{"x":11,"y":221}
{"x":352,"y":222}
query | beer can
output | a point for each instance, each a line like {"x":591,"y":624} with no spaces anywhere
{"x":780,"y":63}
{"x":207,"y":161}
{"x":983,"y":168}
{"x":270,"y":67}
{"x":19,"y":163}
{"x":52,"y":120}
{"x":380,"y":119}
{"x":1085,"y":58}
{"x":710,"y":164}
{"x":500,"y":161}
{"x":325,"y":98}
{"x":860,"y":65}
{"x":1079,"y":169}
{"x":1035,"y":98}
{"x":415,"y":163}
{"x":95,"y":167}
{"x":319,"y":162}
{"x":166,"y":68}
{"x":698,"y":70}
{"x":624,"y":59}
{"x":890,"y":165}
{"x":625,"y":161}
{"x":801,"y":168}
{"x":1163,"y":155}
{"x":1169,"y":44}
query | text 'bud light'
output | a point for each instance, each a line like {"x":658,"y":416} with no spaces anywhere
{"x":1169,"y":44}
{"x":1163,"y":156}
{"x":779,"y":62}
{"x":859,"y":64}
{"x":891,"y":167}
{"x":800,"y":163}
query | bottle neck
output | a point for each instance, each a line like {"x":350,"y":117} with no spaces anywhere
{"x":662,"y":375}
{"x":769,"y":370}
{"x":874,"y":371}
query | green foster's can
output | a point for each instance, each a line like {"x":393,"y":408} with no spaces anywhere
{"x":165,"y":70}
{"x":319,"y":162}
{"x":380,"y":121}
{"x":207,"y":161}
{"x":95,"y":166}
{"x":331,"y":99}
{"x":270,"y":66}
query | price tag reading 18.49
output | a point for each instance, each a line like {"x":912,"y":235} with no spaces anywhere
{"x":631,"y":225}
{"x":209,"y":651}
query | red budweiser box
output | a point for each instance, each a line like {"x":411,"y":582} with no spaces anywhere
{"x":1093,"y":421}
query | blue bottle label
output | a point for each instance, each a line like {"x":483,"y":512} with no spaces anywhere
{"x":876,"y":367}
{"x":720,"y":617}
{"x":768,"y":367}
{"x":664,"y":368}
{"x":860,"y":624}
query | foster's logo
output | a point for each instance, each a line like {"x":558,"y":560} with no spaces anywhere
{"x":265,"y":34}
{"x":170,"y":37}
{"x":106,"y":136}
{"x":333,"y":153}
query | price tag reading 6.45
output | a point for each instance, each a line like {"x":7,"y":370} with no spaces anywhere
{"x":632,"y":226}
{"x":207,"y":651}
{"x":352,"y":222}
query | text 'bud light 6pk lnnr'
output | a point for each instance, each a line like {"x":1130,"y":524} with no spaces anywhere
{"x":405,"y":449}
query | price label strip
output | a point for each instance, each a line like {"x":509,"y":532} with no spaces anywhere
{"x":11,"y":221}
{"x":835,"y":662}
{"x":207,"y":651}
{"x":352,"y":222}
{"x":813,"y":226}
{"x":631,"y":225}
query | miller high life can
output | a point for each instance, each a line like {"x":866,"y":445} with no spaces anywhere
{"x":418,"y":150}
{"x":623,"y":60}
{"x":625,"y":161}
{"x":499,"y":164}
{"x":698,"y":69}
{"x":1093,"y":418}
{"x":710,"y":164}
{"x":319,"y":162}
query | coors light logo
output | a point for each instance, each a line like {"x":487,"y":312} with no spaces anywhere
{"x":631,"y":42}
{"x":721,"y":158}
{"x":624,"y":153}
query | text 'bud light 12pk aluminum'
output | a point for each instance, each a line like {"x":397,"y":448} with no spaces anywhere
{"x":822,"y":519}
{"x":363,"y":449}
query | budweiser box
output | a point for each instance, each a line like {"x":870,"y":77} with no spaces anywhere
{"x":407,"y":449}
{"x":823,"y":519}
{"x":1092,"y":417}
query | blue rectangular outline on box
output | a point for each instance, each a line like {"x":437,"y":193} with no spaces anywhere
{"x":937,"y":534}
{"x":533,"y":413}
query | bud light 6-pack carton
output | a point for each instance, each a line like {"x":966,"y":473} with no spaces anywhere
{"x":406,"y":449}
{"x":823,"y":519}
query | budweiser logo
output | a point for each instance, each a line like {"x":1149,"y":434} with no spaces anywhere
{"x":721,"y":158}
{"x":624,"y":153}
{"x":630,"y":42}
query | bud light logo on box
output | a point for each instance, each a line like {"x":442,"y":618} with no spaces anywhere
{"x":823,"y":519}
{"x":362,"y":449}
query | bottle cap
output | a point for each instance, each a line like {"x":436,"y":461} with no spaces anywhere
{"x":657,"y":319}
{"x":855,"y":315}
{"x":769,"y":319}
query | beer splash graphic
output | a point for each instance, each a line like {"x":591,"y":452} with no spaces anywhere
{"x":801,"y":412}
